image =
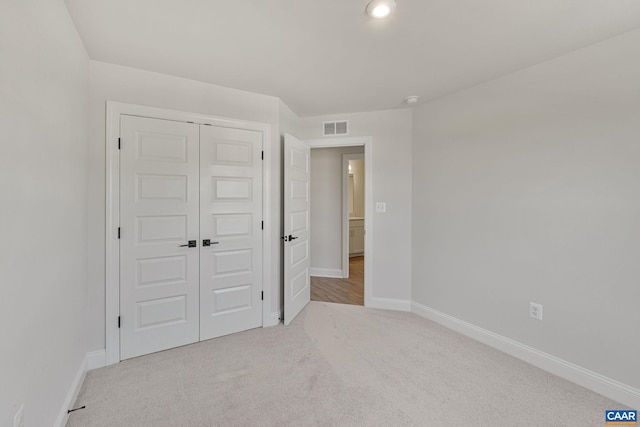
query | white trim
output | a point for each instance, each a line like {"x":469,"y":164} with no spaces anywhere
{"x":96,"y":359}
{"x":274,"y":319}
{"x":367,"y":142}
{"x":266,"y":232}
{"x":112,"y":219}
{"x":72,"y":395}
{"x":345,"y":210}
{"x":112,"y":293}
{"x":335,"y":273}
{"x":390,"y":304}
{"x":598,"y":383}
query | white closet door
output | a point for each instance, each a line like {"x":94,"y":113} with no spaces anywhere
{"x":297,"y":289}
{"x":158,"y":217}
{"x":231,"y":220}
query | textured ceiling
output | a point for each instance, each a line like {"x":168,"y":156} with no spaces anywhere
{"x":328,"y":56}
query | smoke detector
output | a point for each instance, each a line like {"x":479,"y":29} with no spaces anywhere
{"x":412,"y":100}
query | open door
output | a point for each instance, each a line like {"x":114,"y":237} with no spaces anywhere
{"x":297,"y":287}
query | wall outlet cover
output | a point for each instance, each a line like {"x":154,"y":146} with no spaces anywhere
{"x":535,"y":310}
{"x":18,"y":418}
{"x":381,"y":207}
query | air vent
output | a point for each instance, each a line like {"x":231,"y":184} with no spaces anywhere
{"x":335,"y":128}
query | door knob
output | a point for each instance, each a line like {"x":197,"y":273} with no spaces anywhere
{"x":191,"y":244}
{"x":207,"y":242}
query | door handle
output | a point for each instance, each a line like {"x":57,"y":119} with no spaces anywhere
{"x":291,"y":237}
{"x":191,"y":244}
{"x":207,"y":242}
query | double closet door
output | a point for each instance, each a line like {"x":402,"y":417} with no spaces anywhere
{"x":190,"y":233}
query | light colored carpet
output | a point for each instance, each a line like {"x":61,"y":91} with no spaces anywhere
{"x":335,"y":365}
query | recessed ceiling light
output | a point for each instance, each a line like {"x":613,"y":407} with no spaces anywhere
{"x":380,"y":8}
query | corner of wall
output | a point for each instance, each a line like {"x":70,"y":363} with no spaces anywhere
{"x":72,"y":394}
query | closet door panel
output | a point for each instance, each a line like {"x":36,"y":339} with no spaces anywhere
{"x":231,"y":220}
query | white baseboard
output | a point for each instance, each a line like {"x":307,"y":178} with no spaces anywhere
{"x":72,"y":395}
{"x":274,"y":319}
{"x":605,"y":386}
{"x":335,"y":273}
{"x":96,"y":359}
{"x":388,"y":304}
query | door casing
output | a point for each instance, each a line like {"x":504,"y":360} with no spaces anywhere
{"x":114,"y":110}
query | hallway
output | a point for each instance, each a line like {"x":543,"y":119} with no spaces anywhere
{"x":343,"y":291}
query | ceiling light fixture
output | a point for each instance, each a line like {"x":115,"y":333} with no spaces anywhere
{"x":380,"y":8}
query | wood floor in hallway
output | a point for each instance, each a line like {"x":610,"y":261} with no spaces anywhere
{"x":343,"y":291}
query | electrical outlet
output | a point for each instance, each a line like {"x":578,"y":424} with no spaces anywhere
{"x":18,"y":419}
{"x":381,"y":207}
{"x":535,"y":311}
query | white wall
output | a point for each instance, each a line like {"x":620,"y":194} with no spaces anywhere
{"x":392,"y":136}
{"x":43,"y":262}
{"x":527,"y":188}
{"x":326,"y":208}
{"x":129,"y":85}
{"x":289,"y":121}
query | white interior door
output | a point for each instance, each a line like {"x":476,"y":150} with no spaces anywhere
{"x":159,"y":198}
{"x":231,"y":222}
{"x":297,"y":287}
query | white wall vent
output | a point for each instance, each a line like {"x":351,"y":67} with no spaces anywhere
{"x":335,"y":128}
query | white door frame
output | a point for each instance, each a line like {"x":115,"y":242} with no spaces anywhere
{"x":367,"y":142}
{"x":345,"y":209}
{"x":112,"y":205}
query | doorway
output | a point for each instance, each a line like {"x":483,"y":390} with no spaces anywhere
{"x":297,"y":185}
{"x":338,"y":224}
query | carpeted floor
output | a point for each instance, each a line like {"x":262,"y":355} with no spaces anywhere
{"x":335,"y":365}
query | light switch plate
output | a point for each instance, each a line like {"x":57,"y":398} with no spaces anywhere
{"x":381,"y":207}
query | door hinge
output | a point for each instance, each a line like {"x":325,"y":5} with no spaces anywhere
{"x":118,"y":232}
{"x":118,"y":143}
{"x":263,"y":155}
{"x":118,"y":322}
{"x":262,"y":225}
{"x":262,"y":295}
